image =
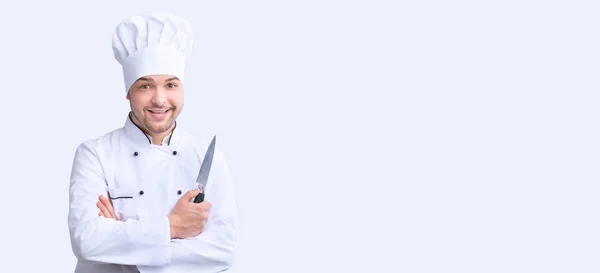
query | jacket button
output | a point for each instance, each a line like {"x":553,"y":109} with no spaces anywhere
{"x":179,"y":192}
{"x":135,"y":153}
{"x":174,"y":152}
{"x":141,"y":192}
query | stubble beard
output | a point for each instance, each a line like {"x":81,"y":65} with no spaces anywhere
{"x":154,"y":128}
{"x":158,"y":129}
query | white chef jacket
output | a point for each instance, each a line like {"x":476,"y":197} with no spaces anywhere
{"x":145,"y":181}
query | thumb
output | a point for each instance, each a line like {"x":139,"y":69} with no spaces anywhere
{"x":191,"y":194}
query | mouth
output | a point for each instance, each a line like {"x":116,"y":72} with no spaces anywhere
{"x":159,"y":111}
{"x":158,"y":114}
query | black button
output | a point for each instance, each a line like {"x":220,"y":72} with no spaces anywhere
{"x":141,"y":192}
{"x":179,"y":192}
{"x":135,"y":153}
{"x":174,"y":152}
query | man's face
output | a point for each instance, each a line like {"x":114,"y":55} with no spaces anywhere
{"x":156,"y":101}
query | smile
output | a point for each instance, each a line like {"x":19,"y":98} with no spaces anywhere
{"x":159,"y":111}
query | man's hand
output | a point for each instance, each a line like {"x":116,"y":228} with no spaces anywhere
{"x":188,"y":219}
{"x":106,"y":208}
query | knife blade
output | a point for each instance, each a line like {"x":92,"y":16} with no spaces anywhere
{"x":205,"y":170}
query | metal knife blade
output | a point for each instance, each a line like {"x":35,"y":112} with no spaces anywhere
{"x":205,"y":170}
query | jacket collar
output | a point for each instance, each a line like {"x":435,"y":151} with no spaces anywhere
{"x":137,"y":136}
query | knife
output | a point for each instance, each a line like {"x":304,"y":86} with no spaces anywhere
{"x":205,"y":170}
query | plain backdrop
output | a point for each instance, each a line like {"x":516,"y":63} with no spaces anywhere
{"x":363,"y":136}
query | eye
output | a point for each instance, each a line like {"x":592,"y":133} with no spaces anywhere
{"x":145,"y":86}
{"x":171,"y":85}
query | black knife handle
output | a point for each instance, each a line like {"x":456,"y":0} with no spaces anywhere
{"x":199,"y":198}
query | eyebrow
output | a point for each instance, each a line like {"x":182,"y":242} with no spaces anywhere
{"x":152,"y":80}
{"x":145,"y":79}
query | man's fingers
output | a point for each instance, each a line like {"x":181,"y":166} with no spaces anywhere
{"x":103,"y":209}
{"x":109,"y":208}
{"x":205,"y":205}
{"x":204,"y":215}
{"x":191,"y":194}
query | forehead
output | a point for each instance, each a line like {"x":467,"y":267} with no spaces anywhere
{"x":158,"y":78}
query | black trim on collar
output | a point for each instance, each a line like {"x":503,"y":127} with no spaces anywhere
{"x":142,"y":131}
{"x":171,"y":135}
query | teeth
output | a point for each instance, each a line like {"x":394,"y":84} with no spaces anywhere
{"x":158,"y":112}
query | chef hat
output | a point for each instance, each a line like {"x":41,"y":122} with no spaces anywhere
{"x":152,"y":44}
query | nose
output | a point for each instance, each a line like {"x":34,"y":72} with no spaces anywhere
{"x":159,"y":97}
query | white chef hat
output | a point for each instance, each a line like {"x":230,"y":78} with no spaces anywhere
{"x":152,"y":44}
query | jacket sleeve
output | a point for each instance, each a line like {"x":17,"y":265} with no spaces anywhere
{"x":98,"y":239}
{"x":213,"y":249}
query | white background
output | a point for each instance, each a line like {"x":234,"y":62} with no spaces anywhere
{"x":372,"y":136}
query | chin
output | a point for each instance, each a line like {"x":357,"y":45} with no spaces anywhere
{"x":162,"y":127}
{"x":159,"y":127}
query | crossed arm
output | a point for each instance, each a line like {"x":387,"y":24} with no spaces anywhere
{"x":153,"y":244}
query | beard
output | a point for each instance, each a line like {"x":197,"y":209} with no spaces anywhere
{"x":153,"y":126}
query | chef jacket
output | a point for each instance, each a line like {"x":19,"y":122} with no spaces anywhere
{"x":144,"y":181}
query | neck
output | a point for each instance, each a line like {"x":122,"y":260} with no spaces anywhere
{"x":157,"y":139}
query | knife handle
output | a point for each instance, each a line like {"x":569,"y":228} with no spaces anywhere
{"x":199,"y":198}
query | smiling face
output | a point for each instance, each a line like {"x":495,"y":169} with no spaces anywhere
{"x":155,"y":102}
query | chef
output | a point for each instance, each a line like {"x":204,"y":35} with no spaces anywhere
{"x":130,"y":191}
